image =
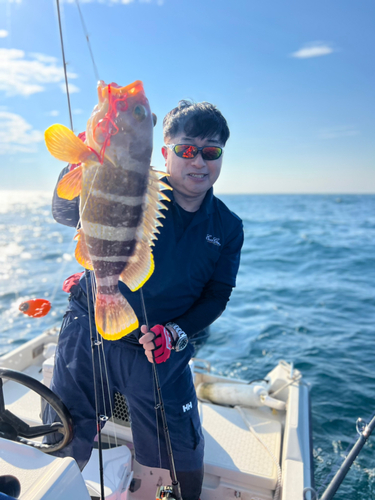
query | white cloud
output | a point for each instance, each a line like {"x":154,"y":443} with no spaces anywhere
{"x":16,"y":135}
{"x":22,"y":75}
{"x":313,"y":49}
{"x":336,"y":132}
{"x":54,"y":112}
{"x":43,"y":58}
{"x":72,"y":88}
{"x":77,"y":111}
{"x":3,"y":33}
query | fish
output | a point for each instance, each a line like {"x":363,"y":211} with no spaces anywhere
{"x":121,"y":198}
{"x":35,"y":308}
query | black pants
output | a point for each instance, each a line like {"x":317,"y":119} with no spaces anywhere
{"x":191,"y":483}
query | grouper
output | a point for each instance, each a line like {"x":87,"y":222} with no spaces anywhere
{"x":121,"y":198}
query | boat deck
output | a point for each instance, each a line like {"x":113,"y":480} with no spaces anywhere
{"x":243,"y":448}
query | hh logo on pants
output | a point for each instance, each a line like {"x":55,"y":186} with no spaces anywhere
{"x":187,"y":407}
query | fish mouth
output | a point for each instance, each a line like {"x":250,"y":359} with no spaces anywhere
{"x":131,"y":90}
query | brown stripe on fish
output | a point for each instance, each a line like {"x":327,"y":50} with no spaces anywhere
{"x":105,"y":269}
{"x":107,"y":285}
{"x":139,"y":153}
{"x":117,"y":180}
{"x":100,"y":247}
{"x":113,"y":214}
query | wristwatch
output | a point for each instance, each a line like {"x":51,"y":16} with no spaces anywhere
{"x":182,"y":339}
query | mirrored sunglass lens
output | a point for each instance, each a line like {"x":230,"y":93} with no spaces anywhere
{"x":211,"y":153}
{"x":185,"y":151}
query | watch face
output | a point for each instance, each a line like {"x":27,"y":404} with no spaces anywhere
{"x":182,"y":342}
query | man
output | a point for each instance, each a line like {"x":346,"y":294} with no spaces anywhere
{"x":196,"y":262}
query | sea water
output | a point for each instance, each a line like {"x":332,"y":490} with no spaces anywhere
{"x":305,"y":293}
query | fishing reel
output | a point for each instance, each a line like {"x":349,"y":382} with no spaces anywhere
{"x":164,"y":492}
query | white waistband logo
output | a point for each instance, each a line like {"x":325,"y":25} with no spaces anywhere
{"x":187,"y":407}
{"x":213,"y":239}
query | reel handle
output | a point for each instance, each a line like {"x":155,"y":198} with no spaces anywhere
{"x":166,"y":492}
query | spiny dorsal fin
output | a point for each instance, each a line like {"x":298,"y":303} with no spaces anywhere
{"x":141,"y":265}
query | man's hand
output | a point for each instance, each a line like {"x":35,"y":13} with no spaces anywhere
{"x":157,"y":343}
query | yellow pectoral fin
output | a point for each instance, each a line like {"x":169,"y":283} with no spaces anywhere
{"x":64,"y":145}
{"x":70,"y":185}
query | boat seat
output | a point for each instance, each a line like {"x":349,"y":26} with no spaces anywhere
{"x":41,"y":476}
{"x":117,"y":473}
{"x":233,"y":453}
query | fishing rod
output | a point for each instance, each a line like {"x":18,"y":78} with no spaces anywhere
{"x":95,"y":343}
{"x":364,"y":430}
{"x":174,"y":491}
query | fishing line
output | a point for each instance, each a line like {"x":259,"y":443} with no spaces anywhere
{"x":154,"y":386}
{"x":88,"y":41}
{"x":172,"y":469}
{"x":98,"y":421}
{"x":64,"y":63}
{"x":103,"y":360}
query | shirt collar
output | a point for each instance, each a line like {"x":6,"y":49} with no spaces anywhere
{"x":207,"y":205}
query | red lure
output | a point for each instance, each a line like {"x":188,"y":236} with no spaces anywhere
{"x":108,"y":120}
{"x":36,"y":308}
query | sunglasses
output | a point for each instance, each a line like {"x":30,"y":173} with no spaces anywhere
{"x":188,"y":151}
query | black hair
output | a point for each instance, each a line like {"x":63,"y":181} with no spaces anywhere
{"x":196,"y":119}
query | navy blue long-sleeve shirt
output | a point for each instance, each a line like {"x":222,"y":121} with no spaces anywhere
{"x":196,"y":256}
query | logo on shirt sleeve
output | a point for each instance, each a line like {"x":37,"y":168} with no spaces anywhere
{"x":213,"y":239}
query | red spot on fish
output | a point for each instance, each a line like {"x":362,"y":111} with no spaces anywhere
{"x":36,"y":308}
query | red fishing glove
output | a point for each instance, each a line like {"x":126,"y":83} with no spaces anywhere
{"x":162,"y":343}
{"x":71,"y":281}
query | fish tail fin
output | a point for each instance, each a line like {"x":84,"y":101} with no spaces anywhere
{"x":114,"y":316}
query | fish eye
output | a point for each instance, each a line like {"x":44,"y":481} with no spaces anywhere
{"x":139,"y":112}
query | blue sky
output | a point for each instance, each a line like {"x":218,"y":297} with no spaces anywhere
{"x":294,"y":79}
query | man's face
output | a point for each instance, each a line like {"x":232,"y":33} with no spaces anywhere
{"x":193,"y":177}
